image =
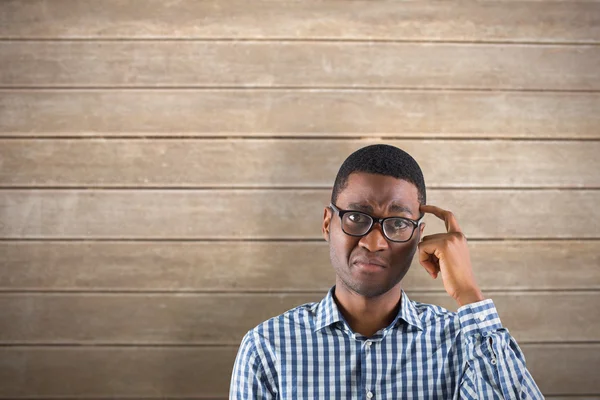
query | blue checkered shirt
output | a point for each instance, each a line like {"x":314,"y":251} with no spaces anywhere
{"x":427,"y":352}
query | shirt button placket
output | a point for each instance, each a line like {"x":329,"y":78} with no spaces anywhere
{"x":368,"y":344}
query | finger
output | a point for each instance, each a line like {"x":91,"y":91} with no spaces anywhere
{"x":430,"y":268}
{"x":445,"y":215}
{"x":435,"y":236}
{"x":428,"y":260}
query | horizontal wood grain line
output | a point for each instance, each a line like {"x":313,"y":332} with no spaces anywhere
{"x":559,"y":397}
{"x":134,"y":345}
{"x":273,"y":112}
{"x":588,"y":396}
{"x":331,"y":40}
{"x":217,"y":345}
{"x":85,"y":136}
{"x":256,"y":240}
{"x":308,"y":163}
{"x":555,"y":21}
{"x":295,"y":88}
{"x":277,"y":293}
{"x":148,"y":292}
{"x":195,"y":214}
{"x":154,"y":396}
{"x":279,"y":188}
{"x":185,"y":373}
{"x":298,"y":65}
{"x":260,"y":266}
{"x":270,"y":89}
{"x":211,"y":318}
{"x":233,"y":346}
{"x":299,"y":89}
{"x":339,"y":138}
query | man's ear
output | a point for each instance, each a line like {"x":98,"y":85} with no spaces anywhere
{"x":326,"y":223}
{"x":421,"y":229}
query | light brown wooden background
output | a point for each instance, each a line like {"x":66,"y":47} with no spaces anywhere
{"x":164,"y":167}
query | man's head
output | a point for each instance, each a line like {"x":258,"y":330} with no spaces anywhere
{"x":382,"y":181}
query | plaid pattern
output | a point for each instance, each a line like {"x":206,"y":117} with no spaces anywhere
{"x":427,"y":352}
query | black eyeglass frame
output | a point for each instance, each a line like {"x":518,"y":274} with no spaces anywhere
{"x":340,"y":213}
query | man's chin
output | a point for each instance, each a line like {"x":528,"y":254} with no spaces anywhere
{"x":370,"y":289}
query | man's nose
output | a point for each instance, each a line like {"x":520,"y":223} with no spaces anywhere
{"x":374,"y":240}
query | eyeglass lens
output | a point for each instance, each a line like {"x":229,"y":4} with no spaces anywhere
{"x":358,"y":224}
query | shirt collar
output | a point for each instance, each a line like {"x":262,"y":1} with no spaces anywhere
{"x":408,"y":313}
{"x":327,"y":313}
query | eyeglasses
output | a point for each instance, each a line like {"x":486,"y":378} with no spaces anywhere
{"x":395,"y":229}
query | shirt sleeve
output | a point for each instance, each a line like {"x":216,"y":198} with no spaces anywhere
{"x":250,"y":380}
{"x":495,"y":364}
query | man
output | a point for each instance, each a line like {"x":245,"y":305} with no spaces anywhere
{"x":366,"y":339}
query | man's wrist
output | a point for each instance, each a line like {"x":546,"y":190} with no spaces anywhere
{"x":469,"y":297}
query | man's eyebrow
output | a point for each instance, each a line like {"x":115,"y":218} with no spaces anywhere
{"x":360,"y":207}
{"x":399,"y":208}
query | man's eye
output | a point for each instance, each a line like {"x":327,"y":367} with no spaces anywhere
{"x":399,"y":224}
{"x":357,"y":218}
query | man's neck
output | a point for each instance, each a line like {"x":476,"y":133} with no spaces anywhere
{"x":367,"y":315}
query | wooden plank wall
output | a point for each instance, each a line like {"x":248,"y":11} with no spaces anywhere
{"x":164,"y":166}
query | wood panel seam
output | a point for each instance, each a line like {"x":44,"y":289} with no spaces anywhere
{"x":268,"y":293}
{"x":264,"y":240}
{"x":142,"y":136}
{"x":279,"y":188}
{"x":251,"y":292}
{"x":307,"y":89}
{"x":388,"y":88}
{"x":287,"y":39}
{"x":191,"y":345}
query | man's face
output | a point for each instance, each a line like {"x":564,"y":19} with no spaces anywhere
{"x":371,"y":265}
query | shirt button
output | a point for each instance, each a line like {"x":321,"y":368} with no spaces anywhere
{"x":368,"y":343}
{"x":369,"y":395}
{"x":494,"y":361}
{"x":481,"y":318}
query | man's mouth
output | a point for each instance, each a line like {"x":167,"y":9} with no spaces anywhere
{"x":370,"y":264}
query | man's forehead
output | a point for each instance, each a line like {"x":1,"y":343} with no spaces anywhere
{"x":369,"y":192}
{"x":375,"y":187}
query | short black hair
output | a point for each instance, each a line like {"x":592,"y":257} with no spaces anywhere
{"x":381,"y":159}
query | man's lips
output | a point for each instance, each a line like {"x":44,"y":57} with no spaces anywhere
{"x":371,"y":263}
